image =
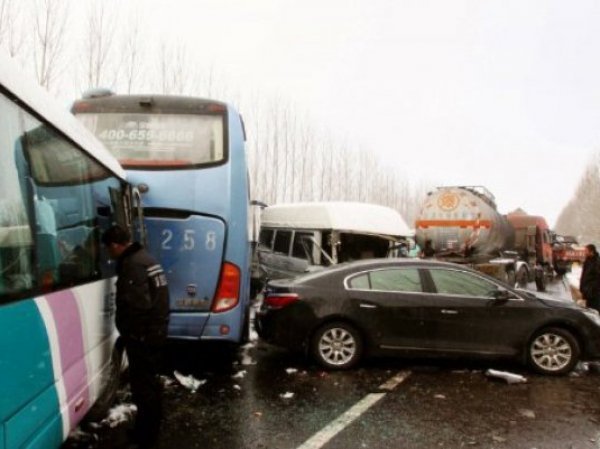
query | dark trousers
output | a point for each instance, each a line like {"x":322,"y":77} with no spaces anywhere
{"x":146,"y":388}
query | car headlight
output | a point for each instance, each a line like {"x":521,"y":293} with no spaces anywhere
{"x":592,"y":315}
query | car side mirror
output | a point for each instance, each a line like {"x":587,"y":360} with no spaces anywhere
{"x":502,"y":295}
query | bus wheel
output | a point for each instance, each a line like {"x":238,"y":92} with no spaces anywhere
{"x":246,"y":327}
{"x":109,"y":388}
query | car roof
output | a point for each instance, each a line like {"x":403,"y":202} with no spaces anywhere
{"x":373,"y":264}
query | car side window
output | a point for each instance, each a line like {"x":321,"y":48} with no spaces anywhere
{"x":282,"y":242}
{"x":265,"y":238}
{"x":394,"y":280}
{"x":360,"y":282}
{"x":302,"y":247}
{"x":453,"y":282}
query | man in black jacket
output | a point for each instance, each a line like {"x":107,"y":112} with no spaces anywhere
{"x":142,"y":319}
{"x":590,"y":278}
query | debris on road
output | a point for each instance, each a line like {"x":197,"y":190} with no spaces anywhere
{"x":498,"y":439}
{"x":189,"y":382}
{"x":239,"y":375}
{"x":440,"y":396}
{"x":246,"y":359}
{"x":237,"y":387}
{"x":527,"y":413}
{"x":83,"y":437}
{"x":167,"y":381}
{"x":291,"y":370}
{"x":510,"y":378}
{"x":122,"y":413}
{"x":287,"y":395}
{"x":580,"y":369}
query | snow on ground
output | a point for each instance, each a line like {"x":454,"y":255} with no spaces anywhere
{"x":119,"y":414}
{"x":573,"y":276}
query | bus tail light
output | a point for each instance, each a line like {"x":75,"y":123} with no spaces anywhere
{"x":228,"y":290}
{"x":280,"y":300}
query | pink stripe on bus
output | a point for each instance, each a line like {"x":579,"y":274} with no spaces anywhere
{"x":72,"y":352}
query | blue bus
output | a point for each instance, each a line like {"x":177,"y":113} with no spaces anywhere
{"x":59,"y":189}
{"x":187,"y":158}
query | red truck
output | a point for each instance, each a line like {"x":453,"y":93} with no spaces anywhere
{"x":565,"y":251}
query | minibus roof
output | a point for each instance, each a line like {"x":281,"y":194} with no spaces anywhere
{"x":353,"y":217}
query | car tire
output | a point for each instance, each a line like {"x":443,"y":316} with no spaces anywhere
{"x":337,"y":346}
{"x":553,"y":351}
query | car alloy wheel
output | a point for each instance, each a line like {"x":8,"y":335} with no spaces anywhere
{"x":337,"y":346}
{"x":553,"y":351}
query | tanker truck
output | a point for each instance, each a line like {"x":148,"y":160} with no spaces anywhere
{"x":462,"y":225}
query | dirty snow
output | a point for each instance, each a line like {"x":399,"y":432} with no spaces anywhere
{"x":119,"y":414}
{"x":189,"y":382}
{"x":239,"y":375}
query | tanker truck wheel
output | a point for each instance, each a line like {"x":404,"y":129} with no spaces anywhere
{"x":540,"y":280}
{"x":511,"y":277}
{"x":522,"y":277}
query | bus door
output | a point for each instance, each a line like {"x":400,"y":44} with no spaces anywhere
{"x":190,"y":248}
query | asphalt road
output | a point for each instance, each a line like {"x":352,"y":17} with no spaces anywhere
{"x":262,"y":397}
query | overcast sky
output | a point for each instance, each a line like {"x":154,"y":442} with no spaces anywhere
{"x":501,"y":93}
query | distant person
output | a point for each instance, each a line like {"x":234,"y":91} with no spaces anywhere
{"x":590,"y":278}
{"x":142,"y":318}
{"x":428,"y":251}
{"x":403,"y":250}
{"x":415,"y":249}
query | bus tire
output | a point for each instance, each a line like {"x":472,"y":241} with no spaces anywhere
{"x":246,"y":327}
{"x":107,"y":397}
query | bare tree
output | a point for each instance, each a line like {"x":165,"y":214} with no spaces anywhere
{"x":131,"y":56}
{"x":581,"y":216}
{"x":100,"y":33}
{"x":175,"y":69}
{"x":11,"y":32}
{"x":50,"y":20}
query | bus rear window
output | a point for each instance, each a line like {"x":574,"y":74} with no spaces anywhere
{"x":159,"y":140}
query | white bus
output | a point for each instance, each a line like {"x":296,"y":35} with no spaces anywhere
{"x":59,"y":189}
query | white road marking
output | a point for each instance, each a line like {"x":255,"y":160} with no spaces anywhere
{"x":395,"y":381}
{"x":322,"y":437}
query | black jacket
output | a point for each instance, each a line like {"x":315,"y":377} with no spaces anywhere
{"x":142,"y":295}
{"x":590,"y":280}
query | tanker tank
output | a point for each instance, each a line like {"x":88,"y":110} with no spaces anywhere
{"x":463,"y":222}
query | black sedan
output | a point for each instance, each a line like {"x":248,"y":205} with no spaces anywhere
{"x":414,"y":307}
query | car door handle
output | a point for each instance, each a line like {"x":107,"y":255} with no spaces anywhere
{"x":449,"y":312}
{"x":368,"y":306}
